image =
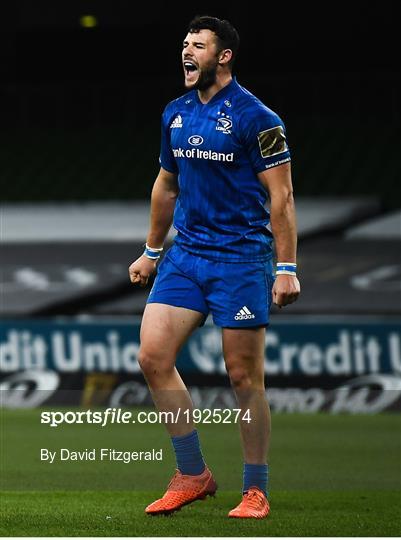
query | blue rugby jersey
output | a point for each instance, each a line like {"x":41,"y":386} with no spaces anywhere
{"x":217,"y":150}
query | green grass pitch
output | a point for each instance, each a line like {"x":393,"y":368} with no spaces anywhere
{"x":330,"y":476}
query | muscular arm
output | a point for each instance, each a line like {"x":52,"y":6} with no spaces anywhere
{"x":164,"y":195}
{"x":277,"y":181}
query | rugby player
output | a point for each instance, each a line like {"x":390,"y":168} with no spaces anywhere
{"x":223,"y":153}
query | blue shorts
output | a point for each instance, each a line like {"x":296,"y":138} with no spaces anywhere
{"x":238,"y":295}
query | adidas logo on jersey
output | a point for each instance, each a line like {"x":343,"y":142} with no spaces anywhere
{"x":177,"y":122}
{"x":244,"y":313}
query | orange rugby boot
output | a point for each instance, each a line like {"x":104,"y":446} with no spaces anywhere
{"x":254,"y":504}
{"x":183,"y":489}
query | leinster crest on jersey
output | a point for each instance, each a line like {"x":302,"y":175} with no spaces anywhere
{"x":224,"y":124}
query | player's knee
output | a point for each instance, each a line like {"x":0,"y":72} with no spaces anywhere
{"x":154,"y":362}
{"x":245,"y":373}
{"x":240,"y":377}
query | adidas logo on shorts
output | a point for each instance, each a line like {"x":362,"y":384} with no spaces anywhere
{"x":243,"y":314}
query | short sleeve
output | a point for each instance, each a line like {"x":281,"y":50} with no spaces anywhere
{"x":166,"y":159}
{"x":265,"y":141}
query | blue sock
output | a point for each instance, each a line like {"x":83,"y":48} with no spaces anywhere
{"x":256,"y":475}
{"x":188,"y":453}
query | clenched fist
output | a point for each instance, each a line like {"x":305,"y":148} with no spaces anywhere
{"x":141,"y":270}
{"x":286,"y":290}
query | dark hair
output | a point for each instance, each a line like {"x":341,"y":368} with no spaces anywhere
{"x":227,"y":36}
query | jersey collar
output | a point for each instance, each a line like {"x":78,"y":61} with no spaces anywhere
{"x":221,"y":94}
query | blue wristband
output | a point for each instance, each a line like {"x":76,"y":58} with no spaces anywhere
{"x":289,"y":269}
{"x":152,"y":253}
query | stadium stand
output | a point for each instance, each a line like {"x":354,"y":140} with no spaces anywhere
{"x":80,"y":263}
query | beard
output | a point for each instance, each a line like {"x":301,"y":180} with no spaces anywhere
{"x":206,"y":78}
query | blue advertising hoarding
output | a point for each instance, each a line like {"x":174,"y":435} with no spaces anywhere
{"x":309,"y":348}
{"x":312,"y":364}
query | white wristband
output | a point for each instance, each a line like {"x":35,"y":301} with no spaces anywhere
{"x":152,"y":253}
{"x":153,"y":249}
{"x":286,"y":268}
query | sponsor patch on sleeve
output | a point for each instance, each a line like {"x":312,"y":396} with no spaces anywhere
{"x":272,"y":142}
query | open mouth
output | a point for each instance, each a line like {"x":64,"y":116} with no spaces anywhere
{"x":189,"y":67}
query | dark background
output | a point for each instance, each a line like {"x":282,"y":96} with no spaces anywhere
{"x":80,"y":107}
